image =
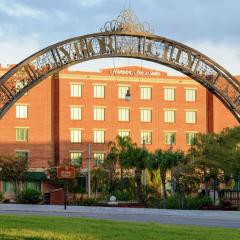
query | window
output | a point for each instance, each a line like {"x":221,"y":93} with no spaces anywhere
{"x":22,"y":154}
{"x":123,"y":114}
{"x":169,"y":94}
{"x":98,"y":158}
{"x":169,"y":116}
{"x":122,"y":90}
{"x":8,"y":187}
{"x":76,"y":158}
{"x":21,"y":111}
{"x":146,"y":115}
{"x":191,"y":116}
{"x":146,"y":93}
{"x":189,"y":137}
{"x":170,"y":138}
{"x":190,"y":95}
{"x":98,"y":136}
{"x":35,"y":185}
{"x":99,"y":113}
{"x":146,"y":137}
{"x":76,"y":136}
{"x":98,"y":91}
{"x":76,"y":113}
{"x":76,"y":90}
{"x":22,"y":134}
{"x":124,"y":133}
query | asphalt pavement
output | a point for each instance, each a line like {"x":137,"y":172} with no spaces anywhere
{"x":187,"y":217}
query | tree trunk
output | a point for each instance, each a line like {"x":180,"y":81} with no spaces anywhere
{"x":138,"y":182}
{"x":164,"y":192}
{"x":121,"y":172}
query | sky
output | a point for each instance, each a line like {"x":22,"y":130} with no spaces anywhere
{"x":210,"y":26}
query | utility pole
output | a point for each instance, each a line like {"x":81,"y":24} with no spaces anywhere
{"x":89,"y":170}
{"x":144,"y":171}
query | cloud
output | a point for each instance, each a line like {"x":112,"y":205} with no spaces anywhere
{"x":226,"y":54}
{"x":19,"y":10}
{"x":89,"y":2}
{"x":13,"y":51}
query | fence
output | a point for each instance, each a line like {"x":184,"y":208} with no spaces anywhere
{"x":233,"y":197}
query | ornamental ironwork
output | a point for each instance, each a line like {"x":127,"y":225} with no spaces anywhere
{"x":120,"y":42}
{"x":127,"y":22}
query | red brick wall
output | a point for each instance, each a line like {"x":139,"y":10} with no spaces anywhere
{"x":49,"y":114}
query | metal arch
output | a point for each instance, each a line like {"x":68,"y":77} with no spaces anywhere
{"x":178,"y":56}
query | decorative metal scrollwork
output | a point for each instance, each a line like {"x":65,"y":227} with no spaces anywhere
{"x":121,"y":38}
{"x":127,"y":22}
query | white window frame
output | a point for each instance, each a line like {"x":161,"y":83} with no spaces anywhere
{"x":167,"y":138}
{"x":21,"y":111}
{"x":122,"y":90}
{"x":169,"y":116}
{"x":147,"y":136}
{"x":25,"y":136}
{"x":76,"y":112}
{"x":98,"y":136}
{"x":76,"y":90}
{"x":74,"y":156}
{"x":190,"y":95}
{"x":123,"y":114}
{"x":98,"y":158}
{"x":189,"y":137}
{"x":145,"y":115}
{"x":75,"y":135}
{"x":99,"y":113}
{"x":98,"y":91}
{"x":191,"y":116}
{"x":169,"y":94}
{"x":145,"y":93}
{"x":124,"y":133}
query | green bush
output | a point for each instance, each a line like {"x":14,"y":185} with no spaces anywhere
{"x":29,"y":196}
{"x":88,"y":202}
{"x":172,"y":202}
{"x":1,"y":197}
{"x":206,"y":201}
{"x":153,"y":201}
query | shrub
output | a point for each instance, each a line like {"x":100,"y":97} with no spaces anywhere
{"x":29,"y":196}
{"x":206,"y":201}
{"x":1,"y":197}
{"x":153,"y":201}
{"x":172,"y":202}
{"x":88,"y":202}
{"x":192,"y":203}
{"x":197,"y":203}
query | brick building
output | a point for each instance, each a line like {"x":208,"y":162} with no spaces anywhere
{"x":57,"y":118}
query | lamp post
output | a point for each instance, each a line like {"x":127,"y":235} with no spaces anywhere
{"x":128,"y":95}
{"x":144,"y":171}
{"x":89,"y":171}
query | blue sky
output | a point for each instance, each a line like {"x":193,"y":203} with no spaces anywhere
{"x":210,"y":26}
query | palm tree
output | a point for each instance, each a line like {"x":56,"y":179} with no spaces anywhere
{"x":164,"y":160}
{"x":135,"y":158}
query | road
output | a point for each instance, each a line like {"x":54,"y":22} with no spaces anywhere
{"x":189,"y":217}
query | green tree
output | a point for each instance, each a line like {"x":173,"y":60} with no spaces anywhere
{"x":135,"y":158}
{"x":13,"y":169}
{"x":165,"y":161}
{"x":205,"y":157}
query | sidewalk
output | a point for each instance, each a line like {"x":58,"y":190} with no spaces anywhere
{"x":231,"y":215}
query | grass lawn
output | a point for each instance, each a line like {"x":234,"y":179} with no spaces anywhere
{"x":59,"y":228}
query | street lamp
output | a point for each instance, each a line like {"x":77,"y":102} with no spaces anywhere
{"x":144,"y":171}
{"x":128,"y":95}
